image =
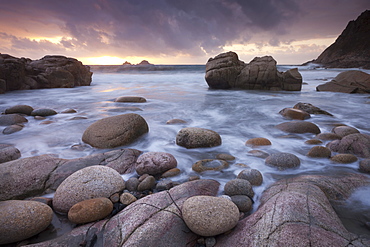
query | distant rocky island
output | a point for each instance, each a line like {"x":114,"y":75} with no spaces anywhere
{"x":351,"y":49}
{"x":142,"y":63}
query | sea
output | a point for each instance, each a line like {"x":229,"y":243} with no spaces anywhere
{"x":181,"y":92}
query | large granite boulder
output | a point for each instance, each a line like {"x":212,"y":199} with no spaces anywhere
{"x":115,"y":131}
{"x":352,"y":81}
{"x":226,"y":71}
{"x":351,"y":49}
{"x":298,"y":212}
{"x":357,"y":144}
{"x":47,"y":72}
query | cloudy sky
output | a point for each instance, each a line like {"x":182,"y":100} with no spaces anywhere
{"x":173,"y":31}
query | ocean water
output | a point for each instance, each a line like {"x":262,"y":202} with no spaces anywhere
{"x":182,"y":92}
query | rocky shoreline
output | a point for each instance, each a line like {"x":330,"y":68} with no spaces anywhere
{"x":93,"y":205}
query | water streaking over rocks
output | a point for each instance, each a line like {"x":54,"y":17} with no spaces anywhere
{"x":181,"y":93}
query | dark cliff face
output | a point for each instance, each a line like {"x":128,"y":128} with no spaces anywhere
{"x":352,"y":47}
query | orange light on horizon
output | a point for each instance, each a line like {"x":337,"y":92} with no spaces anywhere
{"x":111,"y":60}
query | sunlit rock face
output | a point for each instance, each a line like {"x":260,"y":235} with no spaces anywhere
{"x":47,"y":72}
{"x":227,"y":71}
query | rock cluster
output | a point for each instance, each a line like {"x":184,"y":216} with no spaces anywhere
{"x":47,"y":72}
{"x":227,"y":71}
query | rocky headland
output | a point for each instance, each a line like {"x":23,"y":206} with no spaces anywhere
{"x":47,"y":72}
{"x":351,"y":49}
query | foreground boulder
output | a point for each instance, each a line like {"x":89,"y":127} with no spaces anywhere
{"x":115,"y":131}
{"x":352,"y":81}
{"x":297,"y":212}
{"x":22,"y":219}
{"x":47,"y":72}
{"x":227,"y":71}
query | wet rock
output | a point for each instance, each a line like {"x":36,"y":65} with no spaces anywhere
{"x":22,"y":219}
{"x":115,"y":131}
{"x":148,"y":183}
{"x":127,"y":198}
{"x":328,"y":136}
{"x":291,"y":113}
{"x":114,"y":198}
{"x":351,"y":81}
{"x":66,"y":111}
{"x":252,"y":175}
{"x":291,"y":210}
{"x":227,"y":157}
{"x":210,"y":242}
{"x":239,"y":187}
{"x":166,"y":184}
{"x":132,"y":183}
{"x":209,"y":165}
{"x":8,"y":153}
{"x":90,"y":210}
{"x":125,"y":109}
{"x":193,"y":137}
{"x":176,"y":121}
{"x":313,"y":142}
{"x":90,"y":182}
{"x":244,"y":203}
{"x":365,"y":165}
{"x":171,"y":173}
{"x":344,"y":158}
{"x":19,"y":109}
{"x":319,"y":152}
{"x":154,"y":163}
{"x":283,"y":161}
{"x":258,"y":153}
{"x":299,"y":127}
{"x":43,"y":112}
{"x":11,"y":119}
{"x":259,"y":141}
{"x":311,"y":109}
{"x":130,"y":99}
{"x":209,"y":216}
{"x":12,"y":129}
{"x":343,"y":131}
{"x":357,"y":144}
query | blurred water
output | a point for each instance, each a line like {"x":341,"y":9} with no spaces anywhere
{"x":235,"y":114}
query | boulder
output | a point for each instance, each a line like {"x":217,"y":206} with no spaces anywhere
{"x":243,"y":202}
{"x":22,"y":219}
{"x":88,"y":183}
{"x":154,"y":163}
{"x":11,"y":119}
{"x":310,"y":109}
{"x":19,"y":109}
{"x":47,"y":72}
{"x":43,"y":112}
{"x":291,"y":113}
{"x":299,"y":127}
{"x":130,"y":99}
{"x":344,"y":158}
{"x":357,"y":144}
{"x":171,"y":173}
{"x":127,"y":198}
{"x":209,"y":165}
{"x":90,"y":210}
{"x":352,"y":81}
{"x":148,"y":183}
{"x":239,"y":187}
{"x":210,"y":216}
{"x":319,"y":152}
{"x":328,"y":136}
{"x":193,"y":137}
{"x":227,"y":71}
{"x":12,"y":129}
{"x":115,"y":131}
{"x":283,"y":161}
{"x":365,"y":166}
{"x":258,"y":141}
{"x":8,"y":153}
{"x":252,"y":175}
{"x":343,"y":131}
{"x":297,"y":212}
{"x":351,"y":49}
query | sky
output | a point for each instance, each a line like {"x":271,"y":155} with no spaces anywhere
{"x":173,"y":31}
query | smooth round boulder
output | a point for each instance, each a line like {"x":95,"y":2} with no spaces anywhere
{"x":244,"y":203}
{"x":19,"y":109}
{"x":365,"y":165}
{"x":299,"y":127}
{"x":43,"y":112}
{"x":11,"y":119}
{"x":12,"y":129}
{"x":343,"y":131}
{"x":313,"y":142}
{"x":90,"y":210}
{"x":344,"y":158}
{"x":67,"y":111}
{"x":252,"y":175}
{"x":209,"y":165}
{"x":193,"y":137}
{"x":8,"y":153}
{"x":357,"y":144}
{"x":130,"y":99}
{"x":22,"y":219}
{"x":148,"y":183}
{"x":227,"y":157}
{"x":154,"y":163}
{"x":319,"y":152}
{"x":171,"y":173}
{"x":258,"y":141}
{"x":176,"y":121}
{"x":239,"y":187}
{"x":210,"y":216}
{"x":87,"y":183}
{"x":115,"y":131}
{"x":328,"y":136}
{"x":283,"y":161}
{"x":291,"y":113}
